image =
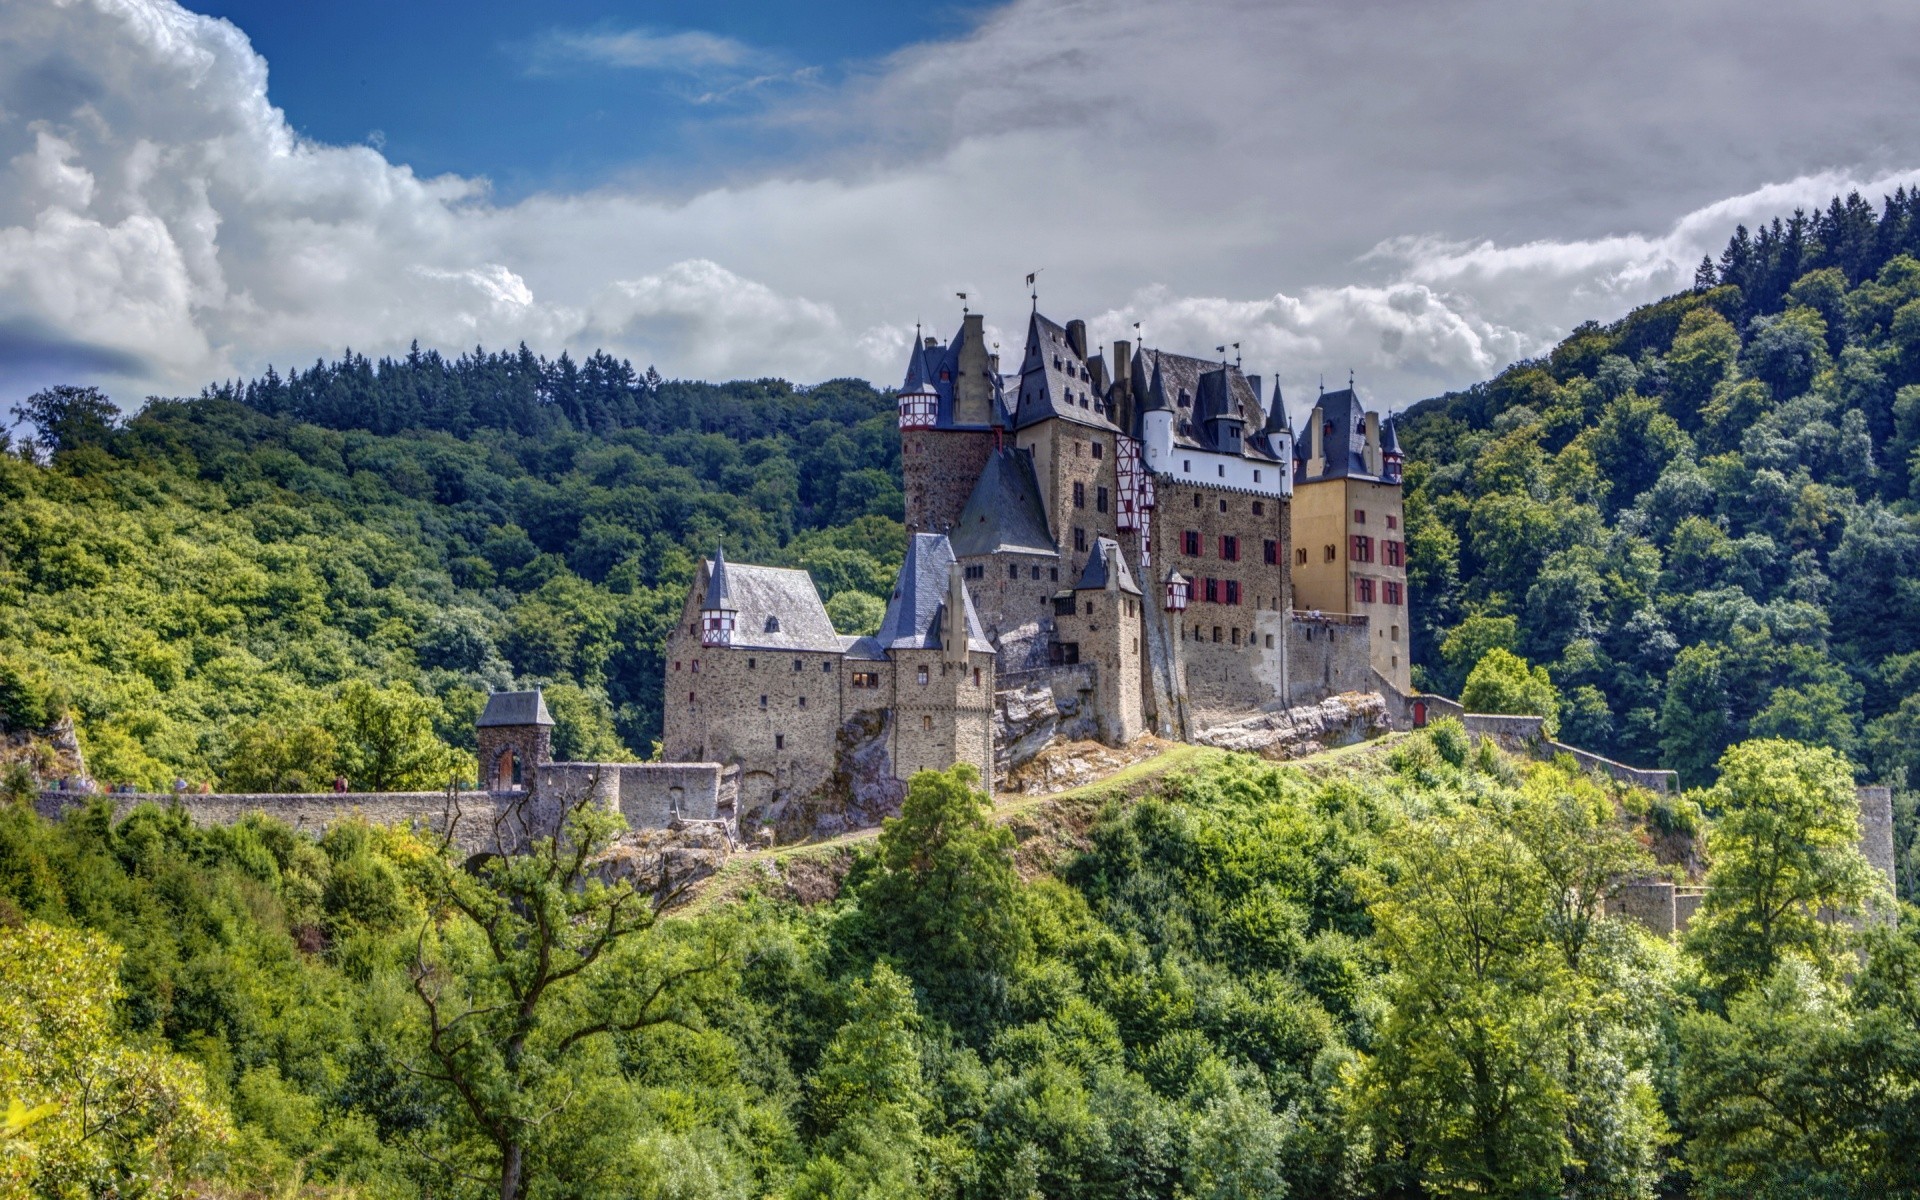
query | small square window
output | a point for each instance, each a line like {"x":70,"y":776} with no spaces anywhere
{"x":763,"y":702}
{"x":1096,"y":450}
{"x":779,"y":741}
{"x":803,"y":702}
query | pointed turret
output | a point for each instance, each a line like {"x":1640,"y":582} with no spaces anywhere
{"x":918,"y":399}
{"x":1391,"y":459}
{"x":718,"y":612}
{"x":1277,"y":419}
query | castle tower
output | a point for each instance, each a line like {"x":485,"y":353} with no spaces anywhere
{"x":1349,"y":534}
{"x":515,"y":737}
{"x":1099,"y":622}
{"x":951,"y":418}
{"x":942,"y":665}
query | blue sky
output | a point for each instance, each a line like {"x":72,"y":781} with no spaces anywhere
{"x":514,"y":91}
{"x":1420,"y":193}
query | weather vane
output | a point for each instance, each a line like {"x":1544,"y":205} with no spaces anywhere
{"x":1034,"y":287}
{"x":963,"y":301}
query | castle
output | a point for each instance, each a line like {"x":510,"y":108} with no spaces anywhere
{"x":1147,"y":538}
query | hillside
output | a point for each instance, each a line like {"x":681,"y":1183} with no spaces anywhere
{"x":1249,"y":980}
{"x":290,"y":563}
{"x":1701,"y":518}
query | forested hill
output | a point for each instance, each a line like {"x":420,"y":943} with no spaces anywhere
{"x":240,"y":587}
{"x":1702,"y":518}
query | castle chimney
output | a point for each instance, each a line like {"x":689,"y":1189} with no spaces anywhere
{"x":1122,"y":364}
{"x":1077,"y":339}
{"x":953,"y":636}
{"x":1370,"y":454}
{"x":972,"y":388}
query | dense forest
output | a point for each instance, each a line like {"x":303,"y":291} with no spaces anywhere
{"x":236,"y":588}
{"x":1394,"y":980}
{"x":1701,"y":519}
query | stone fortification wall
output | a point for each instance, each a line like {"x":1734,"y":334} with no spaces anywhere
{"x":1876,"y":831}
{"x":1327,"y":654}
{"x":645,"y":793}
{"x":938,"y":468}
{"x":1664,"y":782}
{"x":1014,"y":599}
{"x":648,"y":795}
{"x":1230,"y":655}
{"x":311,"y":812}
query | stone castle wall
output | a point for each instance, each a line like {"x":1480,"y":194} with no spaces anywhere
{"x":1226,"y":666}
{"x":1326,"y":655}
{"x":648,"y":795}
{"x":736,"y":704}
{"x":938,"y":468}
{"x":1013,"y":596}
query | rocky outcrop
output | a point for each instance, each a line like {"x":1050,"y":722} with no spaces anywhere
{"x":1055,"y":705}
{"x":1290,"y":733}
{"x":861,"y":793}
{"x":664,"y":863}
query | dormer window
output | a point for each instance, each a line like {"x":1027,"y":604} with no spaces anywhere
{"x":773,"y":625}
{"x":1186,"y":402}
{"x":946,"y":376}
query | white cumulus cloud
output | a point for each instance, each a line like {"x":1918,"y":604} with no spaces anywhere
{"x":1417,"y":194}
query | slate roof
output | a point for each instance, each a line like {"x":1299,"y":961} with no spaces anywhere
{"x":927,"y":364}
{"x":717,"y":596}
{"x":917,"y":609}
{"x":1277,"y":419}
{"x":1212,"y":390}
{"x":1106,"y":561}
{"x":1056,"y":382}
{"x":514,"y":708}
{"x":1004,"y":511}
{"x":780,"y":597}
{"x":1346,"y":416}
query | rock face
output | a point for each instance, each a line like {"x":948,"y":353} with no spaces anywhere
{"x":1289,"y":733}
{"x":1059,"y":706}
{"x":862,"y":791}
{"x":663,"y":862}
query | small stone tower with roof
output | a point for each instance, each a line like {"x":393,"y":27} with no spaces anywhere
{"x":1098,"y":622}
{"x":515,"y":736}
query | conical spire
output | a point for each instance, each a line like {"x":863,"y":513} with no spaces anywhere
{"x":1390,"y":437}
{"x":1277,"y":419}
{"x":719,"y":599}
{"x":1157,"y":389}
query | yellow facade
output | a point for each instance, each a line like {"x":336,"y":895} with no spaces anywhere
{"x":1327,"y":516}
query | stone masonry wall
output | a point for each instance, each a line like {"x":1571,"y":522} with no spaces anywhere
{"x":313,"y":812}
{"x":938,"y":468}
{"x":1327,"y":655}
{"x":1014,"y":597}
{"x":1063,"y":455}
{"x":714,"y":711}
{"x":648,"y":795}
{"x":1227,"y":664}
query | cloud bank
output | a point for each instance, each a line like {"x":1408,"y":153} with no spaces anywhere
{"x":1419,"y":193}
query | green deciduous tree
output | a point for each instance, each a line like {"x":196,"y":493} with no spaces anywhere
{"x":941,"y":896}
{"x":387,"y":740}
{"x":532,"y":960}
{"x":66,"y":417}
{"x":122,"y":1118}
{"x":1502,"y":682}
{"x":1786,"y":867}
